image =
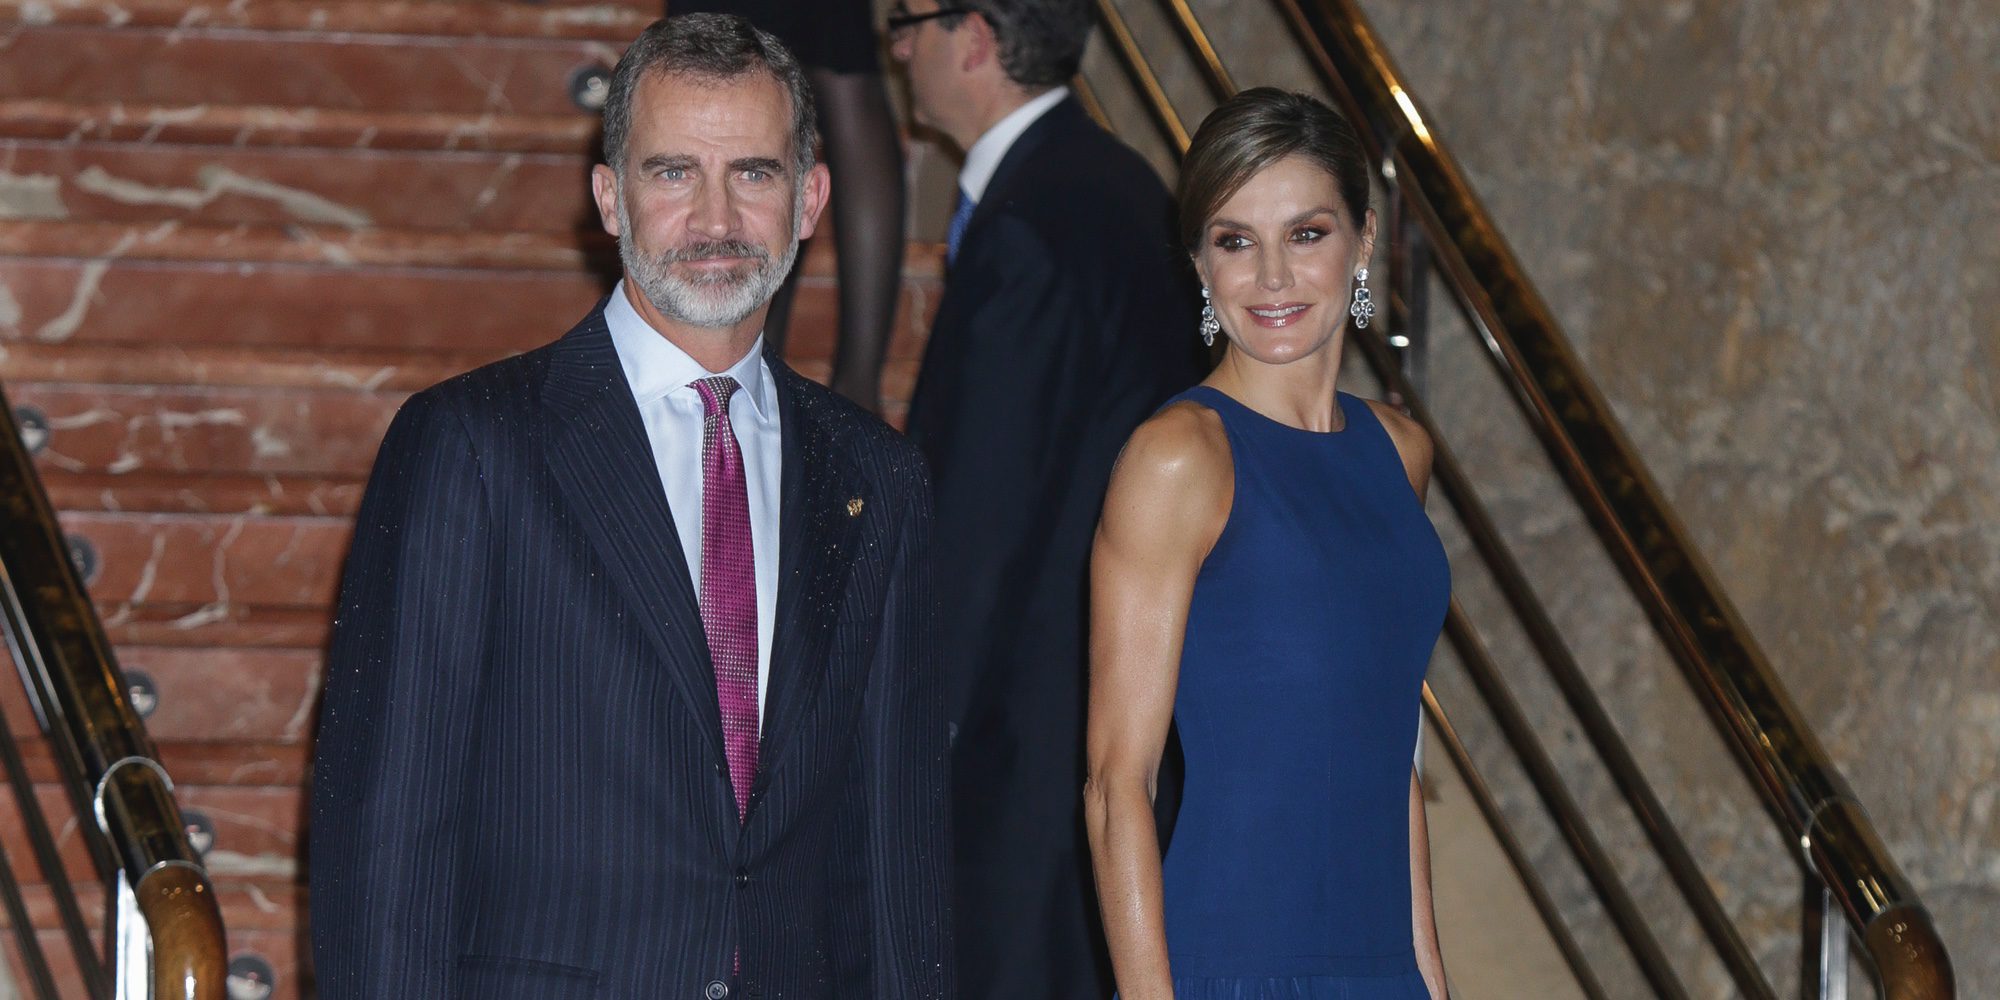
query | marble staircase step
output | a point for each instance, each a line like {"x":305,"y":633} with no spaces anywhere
{"x":215,"y":624}
{"x":352,"y":72}
{"x":267,"y":126}
{"x":211,"y":365}
{"x":248,"y":699}
{"x":197,"y":762}
{"x":209,"y":429}
{"x":153,"y":182}
{"x":217,"y":493}
{"x":589,"y":20}
{"x":203,"y":559}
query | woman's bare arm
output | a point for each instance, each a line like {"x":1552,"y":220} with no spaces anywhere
{"x":1423,"y":919}
{"x":1167,"y":503}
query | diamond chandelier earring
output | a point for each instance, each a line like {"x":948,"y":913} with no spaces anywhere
{"x":1363,"y":308}
{"x":1209,"y":324}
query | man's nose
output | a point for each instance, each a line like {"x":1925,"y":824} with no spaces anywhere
{"x":714,"y":210}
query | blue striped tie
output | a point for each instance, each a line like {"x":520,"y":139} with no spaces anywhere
{"x":961,"y":216}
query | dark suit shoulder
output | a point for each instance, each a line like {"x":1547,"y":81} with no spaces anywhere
{"x":494,"y":403}
{"x":1083,"y":172}
{"x":492,"y":387}
{"x":875,"y":448}
{"x":1081,"y":197}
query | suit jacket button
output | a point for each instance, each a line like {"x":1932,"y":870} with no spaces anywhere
{"x":742,"y":876}
{"x":717,"y":990}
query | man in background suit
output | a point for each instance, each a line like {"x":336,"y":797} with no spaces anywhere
{"x":1067,"y":317}
{"x":630,"y":694}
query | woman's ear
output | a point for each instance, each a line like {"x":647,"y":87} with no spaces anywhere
{"x":1367,"y":238}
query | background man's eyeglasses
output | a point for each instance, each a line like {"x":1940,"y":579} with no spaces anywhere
{"x":901,"y":20}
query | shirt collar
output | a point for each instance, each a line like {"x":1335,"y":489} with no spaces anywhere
{"x":655,"y":367}
{"x":986,"y":153}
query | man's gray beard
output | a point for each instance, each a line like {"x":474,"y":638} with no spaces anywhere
{"x":718,"y":300}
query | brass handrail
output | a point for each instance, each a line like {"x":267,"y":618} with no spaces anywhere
{"x":1799,"y":785}
{"x":1135,"y":61}
{"x":110,"y":765}
{"x":1205,"y":55}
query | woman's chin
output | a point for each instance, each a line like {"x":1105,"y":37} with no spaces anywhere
{"x":1282,"y":348}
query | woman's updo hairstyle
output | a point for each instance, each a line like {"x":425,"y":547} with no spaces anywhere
{"x":1255,"y":129}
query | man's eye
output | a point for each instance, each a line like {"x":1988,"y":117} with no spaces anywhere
{"x":759,"y":176}
{"x":673,"y":174}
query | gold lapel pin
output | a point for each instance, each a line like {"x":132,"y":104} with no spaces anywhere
{"x":854,"y":507}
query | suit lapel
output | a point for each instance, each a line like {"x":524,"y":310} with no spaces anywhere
{"x":603,"y":463}
{"x":816,"y":531}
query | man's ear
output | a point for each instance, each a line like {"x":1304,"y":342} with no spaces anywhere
{"x":818,"y":183}
{"x":604,"y":191}
{"x":982,"y":43}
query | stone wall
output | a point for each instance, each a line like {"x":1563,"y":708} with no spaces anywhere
{"x":1768,"y":227}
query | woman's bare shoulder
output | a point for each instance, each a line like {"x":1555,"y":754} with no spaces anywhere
{"x":1174,"y":469}
{"x":1180,"y":445}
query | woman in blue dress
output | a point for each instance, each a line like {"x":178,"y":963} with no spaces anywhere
{"x":1265,"y":579}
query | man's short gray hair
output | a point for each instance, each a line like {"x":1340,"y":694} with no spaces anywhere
{"x":710,"y":47}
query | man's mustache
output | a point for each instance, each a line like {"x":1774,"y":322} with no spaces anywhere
{"x":713,"y":249}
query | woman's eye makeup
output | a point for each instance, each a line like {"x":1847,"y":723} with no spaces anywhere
{"x":1305,"y":235}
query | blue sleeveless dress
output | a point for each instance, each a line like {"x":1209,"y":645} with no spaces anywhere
{"x":1311,"y":626}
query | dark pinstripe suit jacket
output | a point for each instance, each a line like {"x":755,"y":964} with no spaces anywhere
{"x":520,"y":788}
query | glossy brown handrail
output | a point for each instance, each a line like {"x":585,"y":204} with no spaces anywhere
{"x":180,"y":907}
{"x":1792,"y":773}
{"x":109,"y":763}
{"x":1134,"y":58}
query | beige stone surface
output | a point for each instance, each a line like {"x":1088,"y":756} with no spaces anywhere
{"x":1768,"y":227}
{"x":1494,"y":942}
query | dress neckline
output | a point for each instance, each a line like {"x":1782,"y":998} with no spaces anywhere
{"x":1342,"y":401}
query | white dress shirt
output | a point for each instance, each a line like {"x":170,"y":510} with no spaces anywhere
{"x":660,"y":375}
{"x":991,"y":147}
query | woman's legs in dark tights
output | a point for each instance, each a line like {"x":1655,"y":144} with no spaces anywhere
{"x":866,"y":158}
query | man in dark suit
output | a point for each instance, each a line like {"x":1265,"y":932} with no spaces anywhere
{"x":630,"y":695}
{"x":1067,"y":318}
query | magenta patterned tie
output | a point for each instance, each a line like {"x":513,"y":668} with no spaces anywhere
{"x":729,"y":584}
